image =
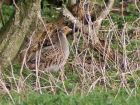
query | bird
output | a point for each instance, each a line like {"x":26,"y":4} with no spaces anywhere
{"x":52,"y":57}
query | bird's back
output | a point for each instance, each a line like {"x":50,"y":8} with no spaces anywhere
{"x":52,"y":56}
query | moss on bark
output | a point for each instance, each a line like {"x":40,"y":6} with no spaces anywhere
{"x":24,"y":23}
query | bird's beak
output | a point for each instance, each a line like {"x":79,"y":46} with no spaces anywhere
{"x":68,"y":31}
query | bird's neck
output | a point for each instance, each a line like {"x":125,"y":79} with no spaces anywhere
{"x":64,"y":43}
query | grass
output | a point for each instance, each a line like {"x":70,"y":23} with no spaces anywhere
{"x":96,"y":97}
{"x":80,"y":84}
{"x":73,"y":92}
{"x":7,"y":13}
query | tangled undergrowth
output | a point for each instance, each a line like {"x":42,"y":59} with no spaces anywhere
{"x":88,"y":70}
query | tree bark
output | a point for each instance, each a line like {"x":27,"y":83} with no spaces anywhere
{"x":25,"y":22}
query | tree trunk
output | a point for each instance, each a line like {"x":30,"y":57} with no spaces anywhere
{"x":25,"y":22}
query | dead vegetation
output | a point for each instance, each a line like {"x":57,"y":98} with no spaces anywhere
{"x":99,"y":55}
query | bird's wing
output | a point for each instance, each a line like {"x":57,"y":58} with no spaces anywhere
{"x":51,"y":52}
{"x":49,"y":56}
{"x":48,"y":52}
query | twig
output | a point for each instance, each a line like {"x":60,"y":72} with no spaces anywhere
{"x":15,"y":5}
{"x":7,"y":91}
{"x":95,"y":27}
{"x":103,"y":15}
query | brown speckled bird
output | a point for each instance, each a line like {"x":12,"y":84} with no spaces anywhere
{"x":54,"y":56}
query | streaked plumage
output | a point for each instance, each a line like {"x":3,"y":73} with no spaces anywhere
{"x":53,"y":57}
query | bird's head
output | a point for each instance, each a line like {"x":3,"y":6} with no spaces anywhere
{"x":66,"y":30}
